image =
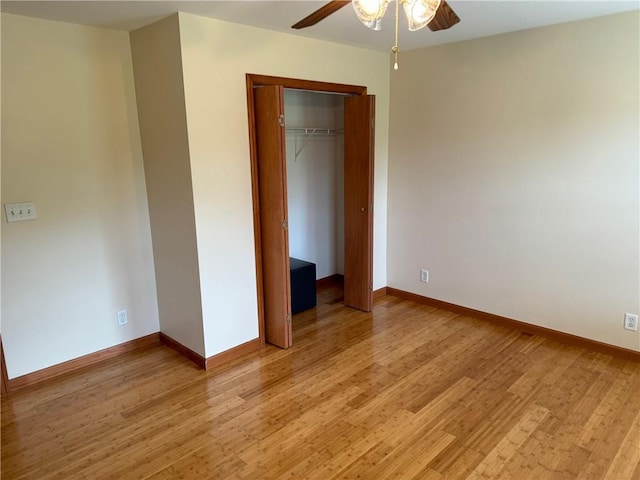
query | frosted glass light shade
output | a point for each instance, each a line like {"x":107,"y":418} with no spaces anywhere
{"x":370,"y":12}
{"x":420,"y":12}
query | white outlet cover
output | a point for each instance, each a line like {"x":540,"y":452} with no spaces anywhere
{"x":631,"y":322}
{"x":121,"y":316}
{"x":424,"y":275}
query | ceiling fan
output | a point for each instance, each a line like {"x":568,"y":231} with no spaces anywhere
{"x":436,"y":14}
{"x":444,"y":18}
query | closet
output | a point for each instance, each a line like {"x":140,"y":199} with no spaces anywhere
{"x":323,"y":120}
{"x":314,"y":123}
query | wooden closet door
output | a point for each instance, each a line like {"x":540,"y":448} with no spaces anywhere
{"x":359,"y":114}
{"x":272,"y":174}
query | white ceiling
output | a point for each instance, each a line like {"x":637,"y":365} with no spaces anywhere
{"x":479,"y":18}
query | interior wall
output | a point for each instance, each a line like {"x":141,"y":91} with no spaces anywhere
{"x":157,"y":66}
{"x":216,"y":57}
{"x":315,"y":201}
{"x":514,"y":176}
{"x":70,"y":144}
{"x":1,"y":220}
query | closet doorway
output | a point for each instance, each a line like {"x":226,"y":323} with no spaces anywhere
{"x":265,"y":101}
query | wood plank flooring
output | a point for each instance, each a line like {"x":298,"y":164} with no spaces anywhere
{"x":407,"y":391}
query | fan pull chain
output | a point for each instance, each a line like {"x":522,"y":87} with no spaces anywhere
{"x":394,"y":49}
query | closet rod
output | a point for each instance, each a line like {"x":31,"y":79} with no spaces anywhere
{"x":313,"y":130}
{"x":310,"y":133}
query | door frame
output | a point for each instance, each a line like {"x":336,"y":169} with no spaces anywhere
{"x":253,"y":81}
{"x":3,"y":367}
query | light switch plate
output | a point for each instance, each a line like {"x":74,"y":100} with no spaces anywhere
{"x":19,"y":212}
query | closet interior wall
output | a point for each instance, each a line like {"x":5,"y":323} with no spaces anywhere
{"x":315,"y":179}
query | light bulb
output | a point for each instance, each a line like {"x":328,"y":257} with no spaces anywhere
{"x":370,"y":7}
{"x":395,"y":66}
{"x":370,"y":12}
{"x":420,"y":12}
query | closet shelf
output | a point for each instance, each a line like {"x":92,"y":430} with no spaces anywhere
{"x":309,"y":133}
{"x":313,"y":130}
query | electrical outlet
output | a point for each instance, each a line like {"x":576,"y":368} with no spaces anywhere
{"x":631,"y":322}
{"x":122,"y":317}
{"x":424,"y":276}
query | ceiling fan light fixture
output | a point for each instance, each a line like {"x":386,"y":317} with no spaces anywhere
{"x":370,"y":12}
{"x":375,"y":24}
{"x":420,"y":12}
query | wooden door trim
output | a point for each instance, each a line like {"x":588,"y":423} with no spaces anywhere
{"x":3,"y":366}
{"x":253,"y":81}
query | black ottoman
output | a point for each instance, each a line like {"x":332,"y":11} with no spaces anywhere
{"x":303,"y":285}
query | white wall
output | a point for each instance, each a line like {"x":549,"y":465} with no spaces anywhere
{"x":157,"y":68}
{"x":216,"y":57}
{"x":70,"y":144}
{"x":1,"y":219}
{"x":514,"y":176}
{"x":315,"y":180}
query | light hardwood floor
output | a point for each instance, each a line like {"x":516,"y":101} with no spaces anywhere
{"x":407,"y":391}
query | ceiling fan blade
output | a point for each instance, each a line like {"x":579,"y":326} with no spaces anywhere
{"x":321,"y":13}
{"x":445,"y":18}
